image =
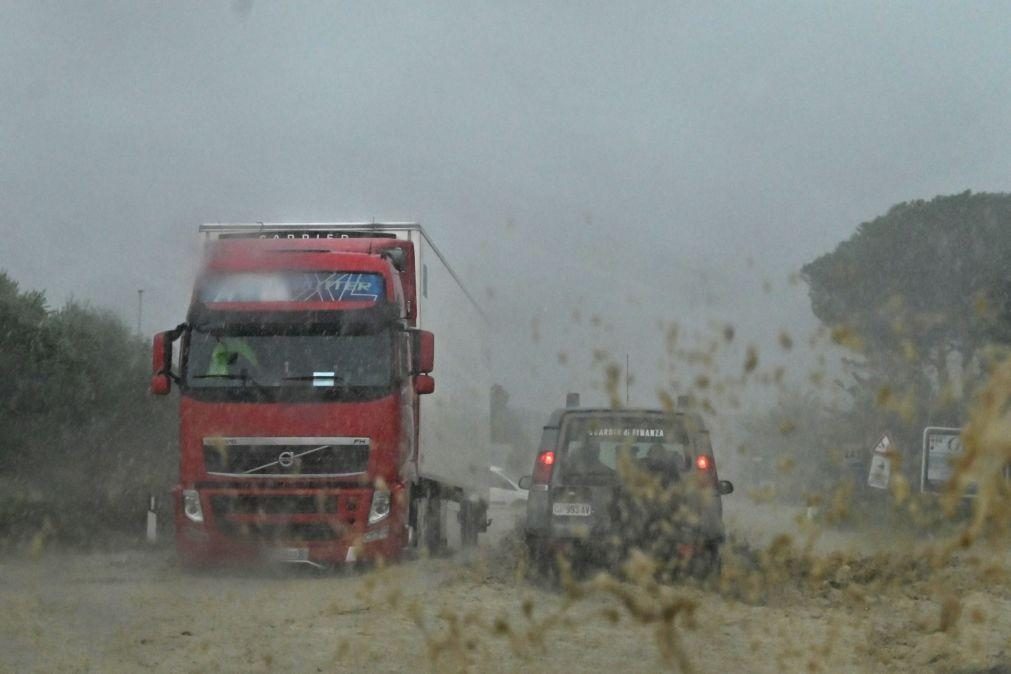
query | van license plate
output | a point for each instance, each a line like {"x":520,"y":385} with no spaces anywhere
{"x":289,"y":554}
{"x":572,"y":509}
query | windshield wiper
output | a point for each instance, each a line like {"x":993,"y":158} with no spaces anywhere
{"x":223,"y":375}
{"x":332,"y":376}
{"x":241,"y":376}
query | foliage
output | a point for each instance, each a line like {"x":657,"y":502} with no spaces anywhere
{"x":81,"y":442}
{"x":802,"y":447}
{"x":918,"y":293}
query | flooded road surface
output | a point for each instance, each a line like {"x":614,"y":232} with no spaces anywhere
{"x":137,"y":610}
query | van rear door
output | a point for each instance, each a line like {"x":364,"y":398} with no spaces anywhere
{"x":592,"y":450}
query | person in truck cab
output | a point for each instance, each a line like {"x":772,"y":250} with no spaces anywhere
{"x":227,"y":353}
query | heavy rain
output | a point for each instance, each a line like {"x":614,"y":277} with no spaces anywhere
{"x":498,"y":337}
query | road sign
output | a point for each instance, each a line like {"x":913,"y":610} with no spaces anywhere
{"x":881,"y":466}
{"x":941,"y":447}
{"x":880,"y":473}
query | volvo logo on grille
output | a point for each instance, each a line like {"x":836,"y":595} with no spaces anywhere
{"x":286,"y":456}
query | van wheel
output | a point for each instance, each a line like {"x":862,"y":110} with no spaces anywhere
{"x":708,"y":564}
{"x":541,"y":561}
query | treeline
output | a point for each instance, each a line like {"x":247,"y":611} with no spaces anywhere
{"x":920,"y":299}
{"x":82,"y":443}
{"x":920,"y":296}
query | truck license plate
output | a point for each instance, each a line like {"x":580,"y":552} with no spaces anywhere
{"x":572,"y":509}
{"x":289,"y":554}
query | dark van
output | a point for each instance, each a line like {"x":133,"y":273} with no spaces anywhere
{"x":606,"y":481}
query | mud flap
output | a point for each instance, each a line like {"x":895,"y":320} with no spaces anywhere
{"x":431,"y":524}
{"x":473,"y":520}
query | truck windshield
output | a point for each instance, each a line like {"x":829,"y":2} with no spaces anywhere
{"x":320,"y":360}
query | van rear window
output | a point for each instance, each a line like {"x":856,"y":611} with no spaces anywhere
{"x":593,"y":444}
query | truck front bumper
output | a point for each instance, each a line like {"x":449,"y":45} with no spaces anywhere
{"x":324,"y":526}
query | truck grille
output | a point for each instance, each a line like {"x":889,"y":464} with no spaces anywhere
{"x":273,"y":457}
{"x":279,"y":516}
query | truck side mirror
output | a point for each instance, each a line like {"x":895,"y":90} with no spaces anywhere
{"x":161,"y":364}
{"x":526,"y":482}
{"x":423,"y":349}
{"x":424,"y":384}
{"x":725,"y":487}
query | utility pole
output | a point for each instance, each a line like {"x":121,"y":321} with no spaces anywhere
{"x":140,"y":310}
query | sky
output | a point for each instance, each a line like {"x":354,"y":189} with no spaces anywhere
{"x":590,"y":169}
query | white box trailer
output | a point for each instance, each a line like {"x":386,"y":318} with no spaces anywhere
{"x":455,"y":442}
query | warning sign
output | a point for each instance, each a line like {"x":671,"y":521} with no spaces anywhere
{"x":884,"y":445}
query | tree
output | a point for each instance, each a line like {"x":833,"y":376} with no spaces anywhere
{"x":918,"y":292}
{"x":23,"y":343}
{"x":804,"y":446}
{"x":81,"y":442}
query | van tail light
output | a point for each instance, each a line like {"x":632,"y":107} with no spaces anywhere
{"x":706,"y":469}
{"x":544,"y":467}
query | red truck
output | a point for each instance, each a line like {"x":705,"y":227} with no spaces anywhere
{"x":302,"y":367}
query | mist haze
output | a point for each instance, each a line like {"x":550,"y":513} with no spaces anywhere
{"x":634,"y":163}
{"x":608,"y":180}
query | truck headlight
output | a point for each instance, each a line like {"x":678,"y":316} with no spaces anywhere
{"x":191,"y":505}
{"x":380,"y":506}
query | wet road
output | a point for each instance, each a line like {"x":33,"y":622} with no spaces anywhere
{"x":136,"y":610}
